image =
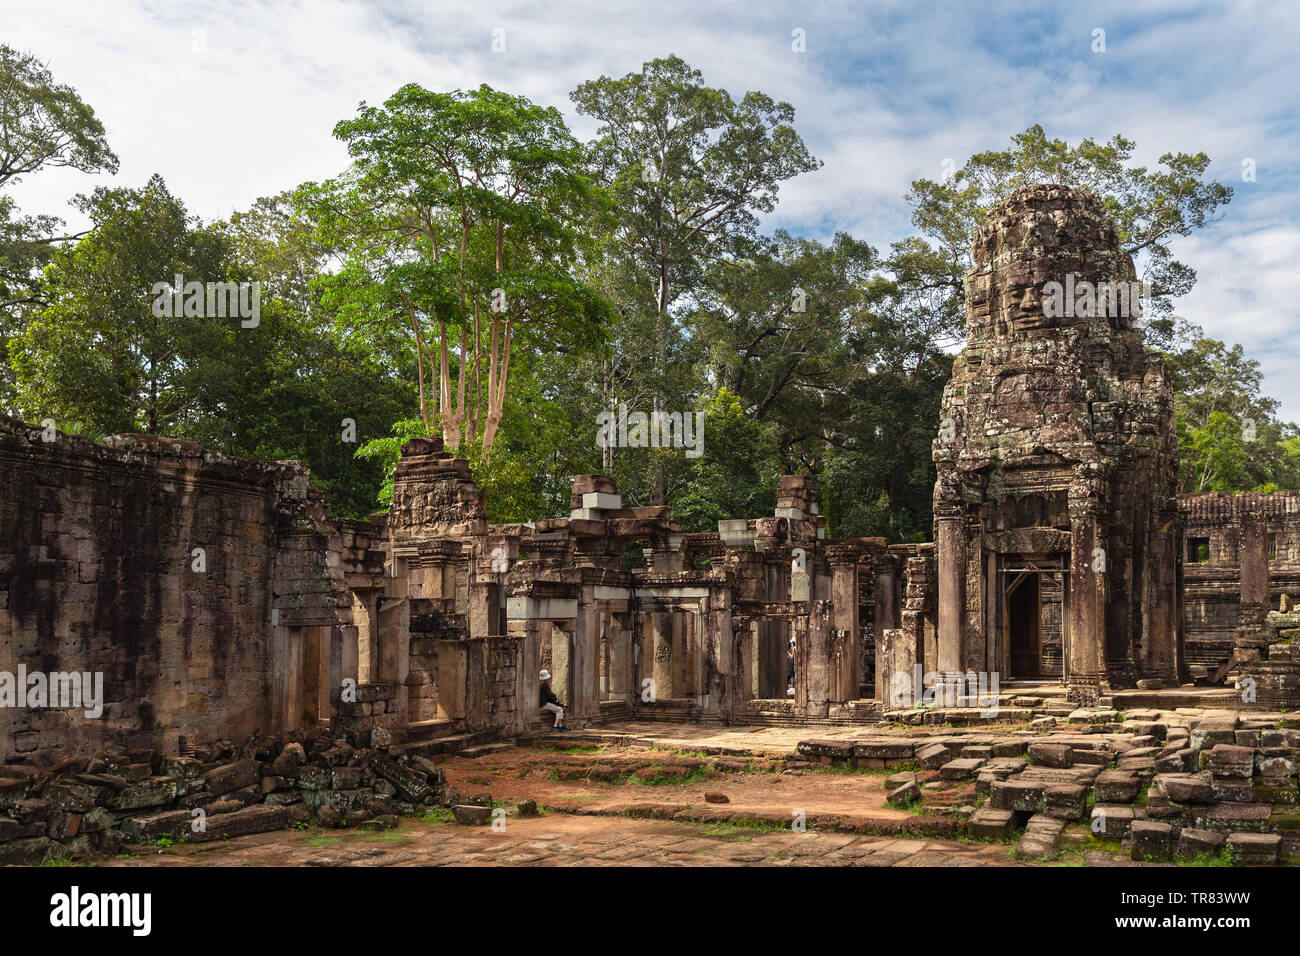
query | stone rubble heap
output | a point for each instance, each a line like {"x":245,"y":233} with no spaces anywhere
{"x":1181,"y":784}
{"x":53,"y":806}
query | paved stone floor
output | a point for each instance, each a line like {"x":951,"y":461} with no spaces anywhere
{"x":565,"y":840}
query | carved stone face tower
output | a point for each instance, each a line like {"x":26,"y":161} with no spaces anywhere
{"x":1055,"y":509}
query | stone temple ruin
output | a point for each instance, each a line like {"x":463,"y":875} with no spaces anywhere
{"x":219,"y":601}
{"x":1055,"y":507}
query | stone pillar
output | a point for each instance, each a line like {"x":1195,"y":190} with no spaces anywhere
{"x":1087,"y":638}
{"x":724,"y":689}
{"x":620,"y":659}
{"x":817,"y":659}
{"x":1164,"y":614}
{"x":950,"y":542}
{"x":1252,"y":547}
{"x":662,"y":629}
{"x":1252,"y":555}
{"x":844,"y":618}
{"x":585,"y":665}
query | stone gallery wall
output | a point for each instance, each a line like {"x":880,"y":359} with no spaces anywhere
{"x":1212,"y":543}
{"x":146,"y":563}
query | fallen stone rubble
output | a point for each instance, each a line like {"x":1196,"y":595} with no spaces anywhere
{"x":1166,"y":785}
{"x":53,"y":806}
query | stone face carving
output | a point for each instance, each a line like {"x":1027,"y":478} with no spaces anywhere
{"x":1058,"y":458}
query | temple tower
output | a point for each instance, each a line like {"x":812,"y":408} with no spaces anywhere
{"x":1055,"y":509}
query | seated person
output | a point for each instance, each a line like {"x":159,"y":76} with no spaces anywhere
{"x":551,"y":702}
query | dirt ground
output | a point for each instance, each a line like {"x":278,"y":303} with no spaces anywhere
{"x":616,"y":805}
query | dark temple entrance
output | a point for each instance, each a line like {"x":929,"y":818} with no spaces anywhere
{"x":1023,"y":625}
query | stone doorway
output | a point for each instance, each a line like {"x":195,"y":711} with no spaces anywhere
{"x":1024,"y":627}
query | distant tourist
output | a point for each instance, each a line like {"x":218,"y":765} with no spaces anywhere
{"x":789,"y":668}
{"x":551,"y":702}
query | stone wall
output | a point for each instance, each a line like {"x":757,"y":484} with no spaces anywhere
{"x":1212,"y":542}
{"x":158,"y":565}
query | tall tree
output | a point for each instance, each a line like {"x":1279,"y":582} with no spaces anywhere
{"x":98,"y":352}
{"x":462,"y":214}
{"x":689,"y":168}
{"x":43,"y":125}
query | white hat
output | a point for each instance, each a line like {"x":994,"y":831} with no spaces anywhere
{"x":544,"y":675}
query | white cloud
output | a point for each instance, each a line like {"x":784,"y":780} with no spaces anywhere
{"x":883,"y":94}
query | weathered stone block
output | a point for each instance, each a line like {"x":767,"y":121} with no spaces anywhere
{"x":1051,"y":755}
{"x":1255,"y":849}
{"x":1150,"y":840}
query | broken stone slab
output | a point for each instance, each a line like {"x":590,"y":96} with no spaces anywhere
{"x":469,"y":815}
{"x":883,"y":749}
{"x":1144,"y":728}
{"x":1255,"y":849}
{"x":235,"y":776}
{"x":896,"y":780}
{"x":1041,"y":839}
{"x":1111,"y":820}
{"x":1233,"y":789}
{"x":904,"y":795}
{"x":932,"y":756}
{"x":962,"y":768}
{"x":977,"y":752}
{"x":1275,"y":762}
{"x":1150,"y":840}
{"x":1017,"y":794}
{"x":1227,"y":760}
{"x":1009,"y":748}
{"x":183,"y":768}
{"x":154,"y":792}
{"x":347,"y":778}
{"x":1178,"y":761}
{"x":1052,"y":755}
{"x":1252,"y":817}
{"x":825,"y":749}
{"x":1211,"y":731}
{"x":71,"y":797}
{"x":1194,"y":842}
{"x":991,"y":823}
{"x":1099,"y":758}
{"x":1145,"y":764}
{"x":149,"y":827}
{"x":1116,"y":786}
{"x":1065,"y":801}
{"x":411,"y":784}
{"x":1279,"y":790}
{"x":1185,"y":788}
{"x":255,"y":819}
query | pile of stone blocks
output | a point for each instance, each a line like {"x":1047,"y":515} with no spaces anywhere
{"x":54,"y":806}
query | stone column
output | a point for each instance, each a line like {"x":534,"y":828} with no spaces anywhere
{"x":950,"y":542}
{"x":1253,"y":550}
{"x":817,"y":660}
{"x":585,"y":665}
{"x":1087,"y":641}
{"x":620,"y":659}
{"x":844,"y":617}
{"x":662,"y":629}
{"x":1252,"y":555}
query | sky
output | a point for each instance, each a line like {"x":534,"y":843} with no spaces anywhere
{"x":234,"y":99}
